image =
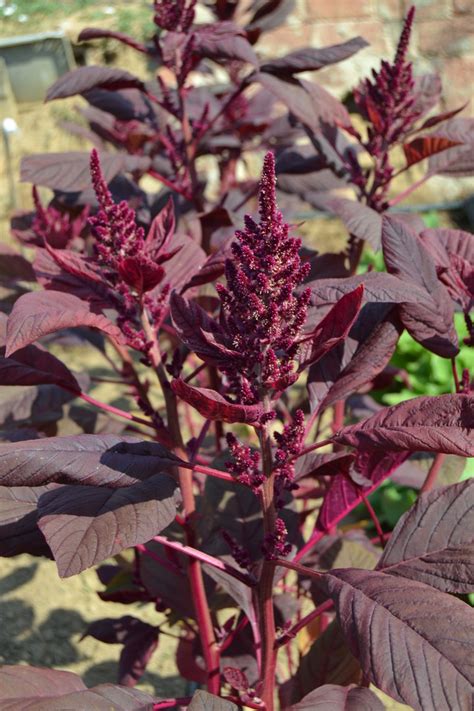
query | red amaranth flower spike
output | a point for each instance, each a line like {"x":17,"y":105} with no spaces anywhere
{"x":132,"y":266}
{"x":290,"y":443}
{"x":174,"y":15}
{"x":245,"y":465}
{"x":275,"y":545}
{"x":386,"y":102}
{"x":261,"y":311}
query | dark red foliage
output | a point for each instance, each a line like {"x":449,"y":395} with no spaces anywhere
{"x":239,"y":472}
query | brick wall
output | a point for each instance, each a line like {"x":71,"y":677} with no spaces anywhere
{"x":442,"y":40}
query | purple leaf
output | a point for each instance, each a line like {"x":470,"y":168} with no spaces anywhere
{"x":90,"y":33}
{"x":269,"y":14}
{"x":427,"y":93}
{"x":311,"y":58}
{"x":453,"y":254}
{"x":440,"y":118}
{"x":186,"y":262}
{"x":309,"y":186}
{"x":139,"y":640}
{"x":242,"y":594}
{"x":69,"y":172}
{"x":360,"y":220}
{"x":298,"y":160}
{"x":36,"y":405}
{"x":379,"y":288}
{"x":19,"y":532}
{"x":124,"y":104}
{"x":328,"y":661}
{"x":213,"y":406}
{"x":14,"y":267}
{"x":95,"y":460}
{"x":457,"y":161}
{"x":433,"y":541}
{"x":136,"y":655}
{"x":166,"y":584}
{"x":315,"y":465}
{"x":429,"y":321}
{"x":84,"y":525}
{"x":24,"y":682}
{"x":224,"y":41}
{"x":61,"y":270}
{"x":232,"y":507}
{"x":23,"y":687}
{"x":426,"y":146}
{"x":344,"y":494}
{"x":388,"y":624}
{"x":203,"y":701}
{"x":213,"y":267}
{"x":355,"y":362}
{"x":32,"y":365}
{"x":308,"y":102}
{"x":333,"y":328}
{"x":161,"y":230}
{"x":200,"y":332}
{"x":334,"y":147}
{"x":38,"y":313}
{"x":441,"y":242}
{"x":339,"y":698}
{"x":432,"y":424}
{"x":85,"y":78}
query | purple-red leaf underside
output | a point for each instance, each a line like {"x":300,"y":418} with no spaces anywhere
{"x":214,"y":406}
{"x":38,"y":313}
{"x":434,"y":541}
{"x":431,"y":424}
{"x":402,"y":633}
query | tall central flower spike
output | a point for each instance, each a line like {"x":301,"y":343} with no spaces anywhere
{"x":387,"y":100}
{"x":130,"y":264}
{"x":261,"y":312}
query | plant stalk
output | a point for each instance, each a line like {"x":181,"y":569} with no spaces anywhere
{"x":265,"y":586}
{"x":433,"y":472}
{"x":208,"y":639}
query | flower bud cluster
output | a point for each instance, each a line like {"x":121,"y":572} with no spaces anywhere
{"x":245,"y":465}
{"x":261,"y":312}
{"x":238,"y":552}
{"x":289,"y":442}
{"x":275,"y":544}
{"x":55,"y":228}
{"x":129,"y":267}
{"x":174,"y":15}
{"x":387,"y":102}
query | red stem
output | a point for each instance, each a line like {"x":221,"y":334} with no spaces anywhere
{"x":265,"y":585}
{"x":311,"y":448}
{"x":293,"y":631}
{"x":169,"y":184}
{"x":408,"y":191}
{"x":172,"y":703}
{"x":206,"y":558}
{"x":110,"y":408}
{"x":157,"y":558}
{"x":213,"y":472}
{"x":455,"y":375}
{"x":196,"y":581}
{"x":433,"y":473}
{"x":375,"y":519}
{"x":301,"y":569}
{"x":338,"y":420}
